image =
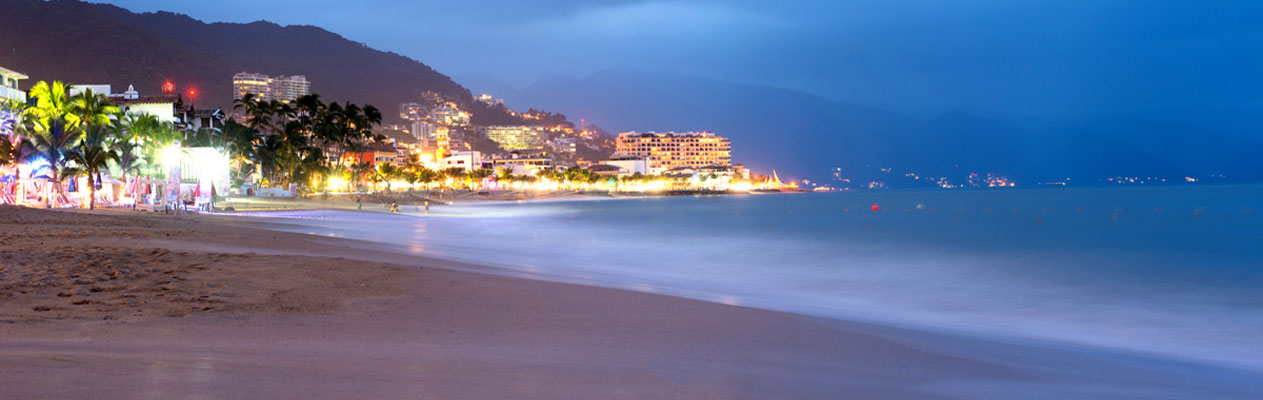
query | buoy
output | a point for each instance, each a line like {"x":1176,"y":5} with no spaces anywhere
{"x":875,"y":207}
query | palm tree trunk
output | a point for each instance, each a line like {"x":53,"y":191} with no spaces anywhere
{"x":91,"y":193}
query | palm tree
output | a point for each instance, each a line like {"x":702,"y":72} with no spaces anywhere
{"x":385,"y":172}
{"x":52,"y":139}
{"x":129,"y":159}
{"x":51,"y":103}
{"x":241,"y":142}
{"x":90,"y":157}
{"x":258,"y":113}
{"x":89,"y":109}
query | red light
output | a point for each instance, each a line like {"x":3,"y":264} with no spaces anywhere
{"x":192,"y":92}
{"x":168,"y":88}
{"x":875,"y":207}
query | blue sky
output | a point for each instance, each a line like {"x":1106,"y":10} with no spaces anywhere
{"x":1024,"y":58}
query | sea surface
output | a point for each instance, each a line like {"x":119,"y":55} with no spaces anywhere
{"x":1175,"y":271}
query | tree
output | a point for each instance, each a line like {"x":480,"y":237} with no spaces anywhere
{"x":240,"y":141}
{"x":128,"y":160}
{"x":89,"y":109}
{"x":89,"y":158}
{"x":385,"y":172}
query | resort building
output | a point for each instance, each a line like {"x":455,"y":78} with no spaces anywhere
{"x":9,"y":91}
{"x":290,"y":88}
{"x":630,"y":164}
{"x":466,"y":160}
{"x":518,"y":137}
{"x":523,"y":166}
{"x":283,"y":88}
{"x":244,"y":83}
{"x":667,"y":151}
{"x":162,"y":106}
{"x":9,"y":85}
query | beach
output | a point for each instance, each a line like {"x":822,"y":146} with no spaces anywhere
{"x":121,"y":305}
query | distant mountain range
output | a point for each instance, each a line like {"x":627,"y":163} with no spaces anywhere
{"x":95,"y":43}
{"x":804,"y":135}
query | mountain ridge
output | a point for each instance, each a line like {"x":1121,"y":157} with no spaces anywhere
{"x":145,"y":49}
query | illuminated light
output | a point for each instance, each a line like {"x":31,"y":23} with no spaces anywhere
{"x":192,"y":92}
{"x":875,"y":207}
{"x":171,"y":155}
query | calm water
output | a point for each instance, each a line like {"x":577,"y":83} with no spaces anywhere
{"x":1169,"y":270}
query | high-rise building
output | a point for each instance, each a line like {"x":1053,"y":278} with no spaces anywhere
{"x":246,"y":82}
{"x":673,"y":150}
{"x":283,"y":88}
{"x":517,"y":137}
{"x":424,"y":131}
{"x":290,"y":88}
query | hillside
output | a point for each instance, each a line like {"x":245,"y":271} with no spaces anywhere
{"x":92,"y":43}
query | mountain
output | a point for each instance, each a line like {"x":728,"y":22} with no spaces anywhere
{"x":94,"y":43}
{"x":804,"y":135}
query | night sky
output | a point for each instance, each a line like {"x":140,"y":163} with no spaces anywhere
{"x":1019,"y":58}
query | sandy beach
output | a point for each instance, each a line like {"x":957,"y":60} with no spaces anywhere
{"x":113,"y":304}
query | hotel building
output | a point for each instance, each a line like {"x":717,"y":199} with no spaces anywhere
{"x":666,"y":151}
{"x":9,"y":85}
{"x":517,"y":137}
{"x":283,"y":88}
{"x":9,"y":92}
{"x":162,"y":106}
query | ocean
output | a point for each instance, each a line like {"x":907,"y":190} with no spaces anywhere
{"x":1173,"y":271}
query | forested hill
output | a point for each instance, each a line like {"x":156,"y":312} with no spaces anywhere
{"x":82,"y":42}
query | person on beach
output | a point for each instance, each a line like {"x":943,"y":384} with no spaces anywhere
{"x":394,"y":207}
{"x":427,"y":205}
{"x":358,"y":206}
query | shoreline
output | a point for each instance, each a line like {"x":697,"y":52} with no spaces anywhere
{"x":477,"y":335}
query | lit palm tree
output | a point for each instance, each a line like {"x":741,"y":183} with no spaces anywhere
{"x":51,"y":139}
{"x":14,"y":150}
{"x":51,"y":103}
{"x":89,"y":109}
{"x":89,"y":158}
{"x":129,"y":160}
{"x":385,"y":172}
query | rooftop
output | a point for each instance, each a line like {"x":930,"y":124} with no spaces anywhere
{"x":9,"y":72}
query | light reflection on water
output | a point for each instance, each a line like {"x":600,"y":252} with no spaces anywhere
{"x":1173,"y":270}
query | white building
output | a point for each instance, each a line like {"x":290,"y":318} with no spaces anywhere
{"x":283,"y":88}
{"x":9,"y":85}
{"x":523,"y":166}
{"x":9,"y":92}
{"x":247,"y":82}
{"x":467,"y":160}
{"x":629,"y":163}
{"x":290,"y":88}
{"x":131,"y":102}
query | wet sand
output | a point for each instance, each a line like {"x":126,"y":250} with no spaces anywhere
{"x":211,"y":307}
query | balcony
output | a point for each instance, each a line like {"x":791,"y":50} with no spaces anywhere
{"x":7,"y":93}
